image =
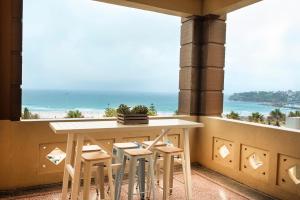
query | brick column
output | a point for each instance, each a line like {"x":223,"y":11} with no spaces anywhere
{"x":201,"y":77}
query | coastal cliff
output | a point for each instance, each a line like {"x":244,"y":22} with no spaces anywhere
{"x":290,"y":99}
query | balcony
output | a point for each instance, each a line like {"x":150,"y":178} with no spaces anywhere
{"x":262,"y":157}
{"x":234,"y":160}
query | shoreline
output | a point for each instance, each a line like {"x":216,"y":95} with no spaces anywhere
{"x":91,"y":114}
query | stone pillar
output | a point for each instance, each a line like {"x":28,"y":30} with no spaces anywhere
{"x":10,"y":59}
{"x":201,"y":76}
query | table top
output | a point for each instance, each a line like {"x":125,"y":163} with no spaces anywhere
{"x":97,"y":126}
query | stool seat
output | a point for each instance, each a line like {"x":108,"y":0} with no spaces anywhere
{"x":168,"y":153}
{"x":137,"y":152}
{"x":137,"y":159}
{"x":158,"y":144}
{"x":169,"y":149}
{"x":95,"y":156}
{"x":89,"y":160}
{"x":91,"y":148}
{"x":125,"y":145}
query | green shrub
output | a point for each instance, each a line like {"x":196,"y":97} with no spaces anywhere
{"x":74,"y":114}
{"x":176,"y":112}
{"x":123,"y":109}
{"x":140,"y":109}
{"x":233,"y":115}
{"x":28,"y":115}
{"x":152,"y":110}
{"x":294,"y":114}
{"x":110,"y":112}
{"x":276,"y":117}
{"x":256,"y":117}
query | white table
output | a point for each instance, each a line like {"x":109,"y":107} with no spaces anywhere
{"x":82,"y":130}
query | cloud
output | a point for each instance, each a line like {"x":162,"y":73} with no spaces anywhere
{"x":262,"y":47}
{"x":79,"y":44}
{"x":83,"y":44}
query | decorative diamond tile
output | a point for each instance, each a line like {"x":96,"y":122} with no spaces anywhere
{"x":56,"y":156}
{"x":223,"y":151}
{"x":254,"y":161}
{"x":289,"y":174}
{"x":294,"y":174}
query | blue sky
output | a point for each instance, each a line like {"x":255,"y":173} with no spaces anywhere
{"x":83,"y":44}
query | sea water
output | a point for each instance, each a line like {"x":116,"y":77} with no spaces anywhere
{"x":56,"y":103}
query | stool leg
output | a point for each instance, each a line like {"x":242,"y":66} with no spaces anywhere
{"x":171,"y":174}
{"x":119,"y":178}
{"x":166,"y":183}
{"x":97,"y":180}
{"x":141,"y":177}
{"x":101,"y":175}
{"x":151,"y":171}
{"x":110,"y":179}
{"x":157,"y":165}
{"x":184,"y":175}
{"x":132,"y":173}
{"x":86,"y":180}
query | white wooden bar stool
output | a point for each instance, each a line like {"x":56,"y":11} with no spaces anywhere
{"x":99,"y":178}
{"x":93,"y":148}
{"x":89,"y":160}
{"x":134,"y":155}
{"x":118,"y":150}
{"x":168,"y":153}
{"x":118,"y":153}
{"x":157,"y":164}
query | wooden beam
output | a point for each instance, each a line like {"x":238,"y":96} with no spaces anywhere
{"x":221,"y":7}
{"x":172,"y":7}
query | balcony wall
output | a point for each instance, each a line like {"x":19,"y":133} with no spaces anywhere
{"x":259,"y":156}
{"x":25,"y":145}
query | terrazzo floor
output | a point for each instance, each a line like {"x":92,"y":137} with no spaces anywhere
{"x":204,"y":188}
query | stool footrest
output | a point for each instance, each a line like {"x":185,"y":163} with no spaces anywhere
{"x":70,"y":170}
{"x":137,"y":152}
{"x":169,"y":149}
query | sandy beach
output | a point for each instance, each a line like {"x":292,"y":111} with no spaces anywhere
{"x":93,"y":114}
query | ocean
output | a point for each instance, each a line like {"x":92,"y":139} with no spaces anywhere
{"x":56,"y":103}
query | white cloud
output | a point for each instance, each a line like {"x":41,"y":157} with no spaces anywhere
{"x":86,"y":44}
{"x":262,"y":47}
{"x":91,"y":45}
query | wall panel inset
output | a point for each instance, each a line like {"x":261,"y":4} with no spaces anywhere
{"x":255,"y":162}
{"x":289,"y":174}
{"x":223,"y":152}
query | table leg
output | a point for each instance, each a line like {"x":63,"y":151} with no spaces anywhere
{"x":68,"y":158}
{"x":77,"y":166}
{"x":166,"y":140}
{"x":186,"y":144}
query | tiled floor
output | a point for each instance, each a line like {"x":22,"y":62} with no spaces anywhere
{"x":207,"y":185}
